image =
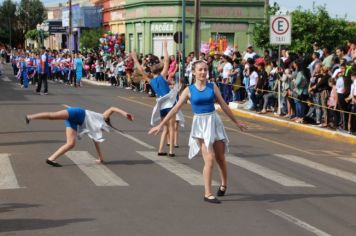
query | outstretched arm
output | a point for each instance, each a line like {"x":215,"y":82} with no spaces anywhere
{"x":111,"y":110}
{"x":164,"y":72}
{"x":139,"y":66}
{"x":182,"y":99}
{"x":98,"y":152}
{"x":226,"y":108}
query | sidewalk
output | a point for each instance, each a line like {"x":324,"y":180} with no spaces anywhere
{"x":238,"y":110}
{"x":285,"y":122}
{"x":94,"y":82}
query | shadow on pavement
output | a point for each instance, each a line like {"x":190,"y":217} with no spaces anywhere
{"x":280,"y":197}
{"x":6,"y":207}
{"x":31,"y":142}
{"x":10,"y":225}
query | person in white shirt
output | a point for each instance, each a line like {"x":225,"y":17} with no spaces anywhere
{"x":249,"y":53}
{"x":78,"y":122}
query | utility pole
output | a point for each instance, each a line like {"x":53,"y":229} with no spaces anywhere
{"x":183,"y":37}
{"x":266,"y":9}
{"x":10,"y":32}
{"x":197,"y":29}
{"x":70,"y":27}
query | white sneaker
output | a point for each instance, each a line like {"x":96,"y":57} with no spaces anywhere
{"x":128,"y":88}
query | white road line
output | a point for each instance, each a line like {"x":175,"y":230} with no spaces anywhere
{"x":186,"y":173}
{"x":7,"y":175}
{"x":136,"y":140}
{"x":267,"y":173}
{"x":349,"y":159}
{"x":99,"y":174}
{"x":299,"y":223}
{"x":6,"y":79}
{"x":320,"y":167}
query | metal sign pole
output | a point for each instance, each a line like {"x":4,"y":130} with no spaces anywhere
{"x":279,"y":81}
{"x":183,"y":36}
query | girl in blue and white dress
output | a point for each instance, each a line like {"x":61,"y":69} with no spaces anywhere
{"x":78,"y":122}
{"x":208,"y":132}
{"x":166,"y":98}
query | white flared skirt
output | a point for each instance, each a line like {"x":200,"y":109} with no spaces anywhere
{"x":209,"y":128}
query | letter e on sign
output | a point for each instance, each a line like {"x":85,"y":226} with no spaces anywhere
{"x":280,"y":30}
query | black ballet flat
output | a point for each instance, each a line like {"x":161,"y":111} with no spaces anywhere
{"x":162,"y":154}
{"x":220,"y":192}
{"x":171,"y":154}
{"x":212,"y":200}
{"x":27,"y":119}
{"x":176,"y":146}
{"x":53,"y":163}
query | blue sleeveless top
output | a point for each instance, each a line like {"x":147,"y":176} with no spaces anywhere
{"x":202,"y":101}
{"x":160,"y":86}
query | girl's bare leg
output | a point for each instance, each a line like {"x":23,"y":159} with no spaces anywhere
{"x":219,"y":149}
{"x":208,"y":157}
{"x":71,"y":136}
{"x":59,"y":115}
{"x":176,"y":133}
{"x":171,"y":135}
{"x":163,"y":139}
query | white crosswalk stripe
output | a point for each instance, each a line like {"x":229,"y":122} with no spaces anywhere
{"x":267,"y":173}
{"x":299,"y":223}
{"x":8,"y":178}
{"x":320,"y":167}
{"x":99,"y":174}
{"x":186,"y":173}
{"x":5,"y":79}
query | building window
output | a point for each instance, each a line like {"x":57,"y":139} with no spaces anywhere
{"x":157,"y":44}
{"x":139,"y":43}
{"x":131,"y":42}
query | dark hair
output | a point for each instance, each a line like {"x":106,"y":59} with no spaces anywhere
{"x":332,"y":81}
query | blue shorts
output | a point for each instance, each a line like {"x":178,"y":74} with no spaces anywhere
{"x":164,"y":112}
{"x":76,"y":117}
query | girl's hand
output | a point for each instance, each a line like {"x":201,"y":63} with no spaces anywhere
{"x":129,"y":116}
{"x":155,"y":130}
{"x":241,"y":126}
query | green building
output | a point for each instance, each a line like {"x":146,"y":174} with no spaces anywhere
{"x":149,"y":22}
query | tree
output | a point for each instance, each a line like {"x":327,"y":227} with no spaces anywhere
{"x":308,"y":26}
{"x":89,"y":39}
{"x":30,"y":13}
{"x":8,"y":21}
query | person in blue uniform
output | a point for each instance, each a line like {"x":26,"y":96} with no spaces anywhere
{"x":166,"y":98}
{"x":79,"y":121}
{"x":208,"y":132}
{"x":78,"y":66}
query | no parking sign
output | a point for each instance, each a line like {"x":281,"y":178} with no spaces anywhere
{"x":280,"y":30}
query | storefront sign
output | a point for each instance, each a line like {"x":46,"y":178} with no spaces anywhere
{"x":117,"y":15}
{"x":226,"y":27}
{"x":162,"y":28}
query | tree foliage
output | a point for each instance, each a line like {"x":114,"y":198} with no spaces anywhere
{"x":20,"y":18}
{"x":8,"y":19}
{"x":89,"y":38}
{"x":308,"y":26}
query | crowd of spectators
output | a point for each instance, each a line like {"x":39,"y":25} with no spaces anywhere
{"x":317,"y":88}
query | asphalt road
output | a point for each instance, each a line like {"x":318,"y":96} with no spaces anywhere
{"x":281,"y":182}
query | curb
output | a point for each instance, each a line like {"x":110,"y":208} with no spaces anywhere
{"x":289,"y":124}
{"x":92,"y":82}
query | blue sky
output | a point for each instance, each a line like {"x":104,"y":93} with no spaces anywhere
{"x":338,"y":8}
{"x":335,"y":8}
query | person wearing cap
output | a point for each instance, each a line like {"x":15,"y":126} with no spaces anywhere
{"x":249,"y":53}
{"x":226,"y":70}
